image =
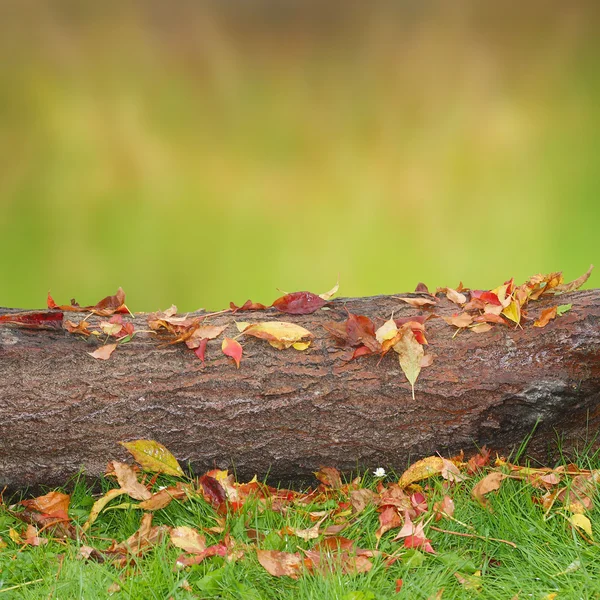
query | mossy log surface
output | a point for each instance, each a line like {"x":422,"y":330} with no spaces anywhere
{"x":285,"y":413}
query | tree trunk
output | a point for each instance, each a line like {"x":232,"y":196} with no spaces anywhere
{"x":285,"y":412}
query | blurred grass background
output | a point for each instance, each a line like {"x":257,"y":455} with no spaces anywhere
{"x":201,"y":152}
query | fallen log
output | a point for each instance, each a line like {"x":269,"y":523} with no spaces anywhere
{"x":284,"y":413}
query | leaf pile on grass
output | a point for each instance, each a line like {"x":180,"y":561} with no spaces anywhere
{"x":445,"y":528}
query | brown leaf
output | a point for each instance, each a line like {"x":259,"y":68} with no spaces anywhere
{"x":488,"y":484}
{"x":576,"y":284}
{"x":204,"y":332}
{"x":128,"y":481}
{"x":360,"y":499}
{"x":462,"y":320}
{"x":330,"y":477}
{"x":419,"y":301}
{"x":279,"y":564}
{"x":163,"y":498}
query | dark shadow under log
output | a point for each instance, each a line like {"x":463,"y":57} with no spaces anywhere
{"x":285,"y":413}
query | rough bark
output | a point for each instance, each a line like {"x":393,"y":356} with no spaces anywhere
{"x":285,"y":413}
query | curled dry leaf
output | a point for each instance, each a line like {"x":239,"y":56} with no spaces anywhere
{"x":248,"y":305}
{"x":128,"y":481}
{"x":332,"y":292}
{"x":422,"y":469}
{"x":576,"y":284}
{"x":418,"y":301}
{"x":106,"y":307}
{"x":103,"y":352}
{"x":454,"y":296}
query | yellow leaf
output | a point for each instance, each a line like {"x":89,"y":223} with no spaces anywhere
{"x":110,"y":328}
{"x":3,"y":544}
{"x":582,"y":522}
{"x":301,"y":345}
{"x":13,"y":534}
{"x":280,"y":334}
{"x":387,"y":331}
{"x":99,"y":506}
{"x":241,"y":325}
{"x":154,"y":457}
{"x":332,"y":292}
{"x":410,"y":355}
{"x":422,"y":469}
{"x":513,"y":312}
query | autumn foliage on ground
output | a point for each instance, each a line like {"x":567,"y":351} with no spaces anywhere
{"x":412,"y":512}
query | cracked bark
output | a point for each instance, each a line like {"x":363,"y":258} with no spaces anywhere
{"x":285,"y":413}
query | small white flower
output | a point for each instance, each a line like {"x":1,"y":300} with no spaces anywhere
{"x":379,"y":472}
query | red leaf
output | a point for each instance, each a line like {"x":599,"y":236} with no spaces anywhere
{"x":398,"y":585}
{"x":299,"y":303}
{"x":361,"y":351}
{"x":488,"y":297}
{"x":201,"y":349}
{"x":233,"y":349}
{"x":35,"y":320}
{"x":212,"y":490}
{"x":248,"y":305}
{"x":360,"y":330}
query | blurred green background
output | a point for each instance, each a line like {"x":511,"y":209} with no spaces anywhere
{"x":202,"y":152}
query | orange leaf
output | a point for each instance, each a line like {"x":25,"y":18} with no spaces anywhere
{"x":104,"y":352}
{"x":547,"y":315}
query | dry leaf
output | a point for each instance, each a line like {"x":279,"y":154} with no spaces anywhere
{"x":104,"y":352}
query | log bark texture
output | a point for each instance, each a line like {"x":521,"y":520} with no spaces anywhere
{"x":285,"y":413}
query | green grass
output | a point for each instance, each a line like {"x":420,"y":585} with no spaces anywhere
{"x":550,"y":557}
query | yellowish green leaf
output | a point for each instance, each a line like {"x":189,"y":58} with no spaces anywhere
{"x":154,"y":457}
